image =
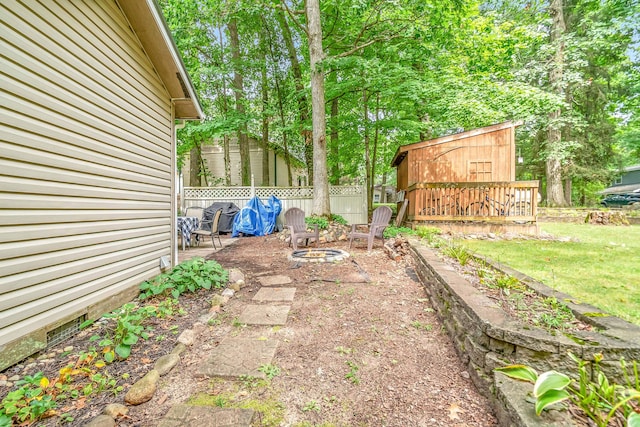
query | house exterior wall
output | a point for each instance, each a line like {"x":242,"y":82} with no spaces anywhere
{"x":213,"y":155}
{"x":85,"y":169}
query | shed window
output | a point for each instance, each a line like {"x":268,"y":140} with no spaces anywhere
{"x":480,"y":171}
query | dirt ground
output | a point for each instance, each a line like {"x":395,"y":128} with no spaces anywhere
{"x":362,"y":347}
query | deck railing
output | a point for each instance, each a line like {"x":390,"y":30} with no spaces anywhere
{"x":473,"y":201}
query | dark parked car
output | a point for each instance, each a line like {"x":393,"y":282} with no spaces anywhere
{"x":612,"y":200}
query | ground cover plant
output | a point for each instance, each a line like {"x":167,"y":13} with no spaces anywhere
{"x":84,"y":374}
{"x":597,"y":265}
{"x":603,"y":402}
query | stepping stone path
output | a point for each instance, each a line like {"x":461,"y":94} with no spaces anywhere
{"x":236,"y":357}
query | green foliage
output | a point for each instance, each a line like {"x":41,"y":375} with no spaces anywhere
{"x":37,"y":396}
{"x":352,"y":375}
{"x":188,"y":276}
{"x":129,"y":328}
{"x":393,"y":206}
{"x":393,"y":231}
{"x":457,"y":252}
{"x":322,"y":222}
{"x":428,"y":233}
{"x":338,"y":219}
{"x":600,"y":400}
{"x":271,"y":371}
{"x":29,"y":402}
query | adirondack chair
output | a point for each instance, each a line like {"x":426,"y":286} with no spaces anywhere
{"x":379,"y":221}
{"x":294,"y":218}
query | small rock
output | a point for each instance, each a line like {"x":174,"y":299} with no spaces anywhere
{"x":14,"y":378}
{"x":228,"y":292}
{"x":115,"y":410}
{"x":165,"y":363}
{"x":143,"y":390}
{"x":235,"y":275}
{"x":187,"y":337}
{"x":235,"y":286}
{"x":241,"y":283}
{"x":68,"y":349}
{"x":8,"y":384}
{"x":224,"y":300}
{"x":3,"y":377}
{"x":3,"y":383}
{"x":179,"y":348}
{"x":101,"y":421}
{"x":465,"y":374}
{"x":30,"y":365}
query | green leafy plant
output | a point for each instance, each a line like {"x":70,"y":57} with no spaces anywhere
{"x":421,"y":326}
{"x":129,"y":328}
{"x":458,"y":252}
{"x":352,"y":375}
{"x":393,"y":231}
{"x":311,"y":405}
{"x":29,"y":402}
{"x":271,"y":371}
{"x":188,"y":276}
{"x":338,"y":219}
{"x":428,"y":233}
{"x":600,"y":400}
{"x":322,"y":222}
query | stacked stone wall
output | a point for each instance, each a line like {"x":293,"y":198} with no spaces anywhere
{"x":486,"y":338}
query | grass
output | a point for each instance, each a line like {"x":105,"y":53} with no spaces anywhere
{"x":601,"y":268}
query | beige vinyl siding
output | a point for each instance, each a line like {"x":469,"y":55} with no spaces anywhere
{"x":85,"y":162}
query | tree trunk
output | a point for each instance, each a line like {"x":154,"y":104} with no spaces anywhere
{"x":383,"y":189}
{"x":376,"y":137}
{"x":265,"y":123}
{"x":194,"y":167}
{"x":334,"y":146}
{"x":555,"y":194}
{"x":243,"y":139}
{"x":367,"y":151}
{"x":321,"y":205}
{"x":303,"y":104}
{"x":225,"y":110}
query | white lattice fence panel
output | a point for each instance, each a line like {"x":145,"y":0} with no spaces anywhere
{"x":346,"y":201}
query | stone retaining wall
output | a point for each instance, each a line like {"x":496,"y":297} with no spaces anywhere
{"x":486,"y":338}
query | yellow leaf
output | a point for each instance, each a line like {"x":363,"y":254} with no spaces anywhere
{"x":453,"y":411}
{"x":65,"y":371}
{"x":100,"y":364}
{"x":44,"y":382}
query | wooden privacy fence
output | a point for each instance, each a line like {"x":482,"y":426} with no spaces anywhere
{"x":473,"y":201}
{"x":348,"y":201}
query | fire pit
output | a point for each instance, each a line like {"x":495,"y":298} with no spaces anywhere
{"x":318,"y":255}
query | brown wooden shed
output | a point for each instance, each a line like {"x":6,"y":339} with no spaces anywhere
{"x":468,"y":175}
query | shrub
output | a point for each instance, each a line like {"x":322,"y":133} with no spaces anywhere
{"x":323,"y":223}
{"x":188,"y":276}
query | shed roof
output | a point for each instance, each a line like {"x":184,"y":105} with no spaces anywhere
{"x":402,"y":151}
{"x":147,"y":22}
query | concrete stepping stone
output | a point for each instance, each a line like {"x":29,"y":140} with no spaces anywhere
{"x":264,"y":315}
{"x":274,"y":295}
{"x":277,"y":280}
{"x":206,"y":416}
{"x":236,"y":357}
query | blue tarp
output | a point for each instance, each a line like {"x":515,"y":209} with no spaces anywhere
{"x":257,"y":218}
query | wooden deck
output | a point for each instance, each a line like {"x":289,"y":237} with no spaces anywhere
{"x":505,"y":202}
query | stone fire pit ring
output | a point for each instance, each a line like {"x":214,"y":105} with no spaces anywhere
{"x":318,"y":255}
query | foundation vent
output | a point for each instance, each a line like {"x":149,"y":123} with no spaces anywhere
{"x":65,"y":331}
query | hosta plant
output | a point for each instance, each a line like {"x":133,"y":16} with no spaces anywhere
{"x":604,"y":402}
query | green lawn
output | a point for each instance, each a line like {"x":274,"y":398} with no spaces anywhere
{"x":601,"y":268}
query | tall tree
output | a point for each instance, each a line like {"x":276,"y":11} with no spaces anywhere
{"x":321,"y":205}
{"x":555,"y":193}
{"x":238,"y":88}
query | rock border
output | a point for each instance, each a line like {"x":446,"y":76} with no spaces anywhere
{"x":486,"y":338}
{"x":144,"y":389}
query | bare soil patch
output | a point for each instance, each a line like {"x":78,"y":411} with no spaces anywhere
{"x":362,"y":347}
